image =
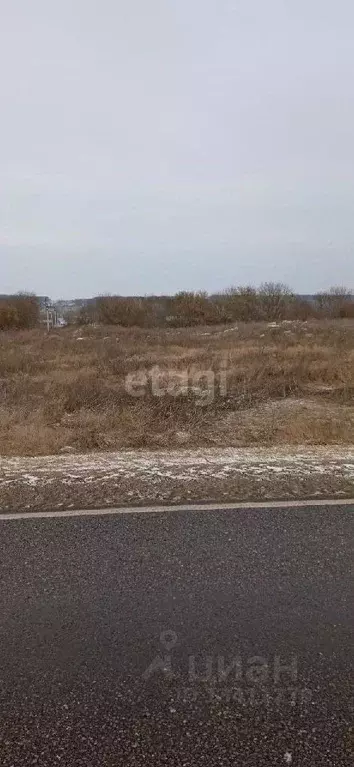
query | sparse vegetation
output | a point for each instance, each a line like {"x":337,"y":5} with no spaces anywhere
{"x":288,"y":382}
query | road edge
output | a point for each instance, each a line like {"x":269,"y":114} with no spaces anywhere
{"x":195,"y":507}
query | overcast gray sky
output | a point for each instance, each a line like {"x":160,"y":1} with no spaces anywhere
{"x":159,"y":145}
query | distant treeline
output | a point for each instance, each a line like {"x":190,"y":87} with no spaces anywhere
{"x":270,"y":302}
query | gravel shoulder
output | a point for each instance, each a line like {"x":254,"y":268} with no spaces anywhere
{"x":101,"y":480}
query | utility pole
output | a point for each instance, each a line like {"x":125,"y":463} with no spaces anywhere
{"x":47,"y":316}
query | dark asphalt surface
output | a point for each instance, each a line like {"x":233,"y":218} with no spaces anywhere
{"x":156,"y":639}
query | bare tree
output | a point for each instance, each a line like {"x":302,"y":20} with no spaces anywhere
{"x":276,"y":300}
{"x":336,"y":302}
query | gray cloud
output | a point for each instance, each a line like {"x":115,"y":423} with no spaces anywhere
{"x":167,"y":145}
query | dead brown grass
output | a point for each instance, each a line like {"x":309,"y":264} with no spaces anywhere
{"x":290,"y":383}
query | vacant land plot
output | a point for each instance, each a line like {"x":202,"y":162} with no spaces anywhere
{"x":104,"y":389}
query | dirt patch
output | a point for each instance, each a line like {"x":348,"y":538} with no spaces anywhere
{"x":288,"y":421}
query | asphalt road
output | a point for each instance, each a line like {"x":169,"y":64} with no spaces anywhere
{"x":185,"y":638}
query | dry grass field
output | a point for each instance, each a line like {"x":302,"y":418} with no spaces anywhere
{"x":92,"y":389}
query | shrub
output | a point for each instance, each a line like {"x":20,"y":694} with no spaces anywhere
{"x":187,"y":309}
{"x":127,"y":312}
{"x":20,"y":312}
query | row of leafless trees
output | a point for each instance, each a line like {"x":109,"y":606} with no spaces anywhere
{"x":271,"y":301}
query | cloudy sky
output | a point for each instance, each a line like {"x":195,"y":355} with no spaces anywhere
{"x":159,"y":145}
